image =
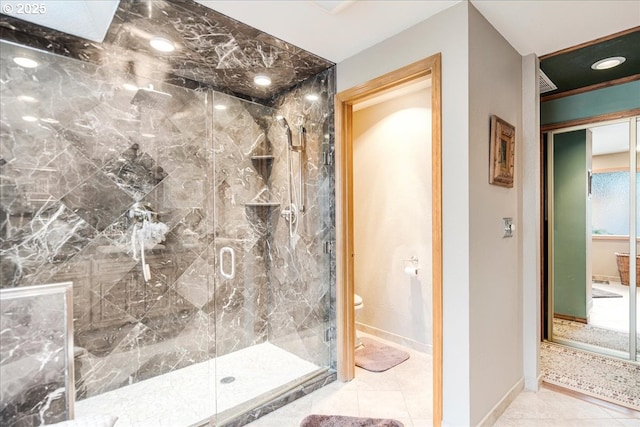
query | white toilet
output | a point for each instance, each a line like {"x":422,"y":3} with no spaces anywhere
{"x":357,"y":307}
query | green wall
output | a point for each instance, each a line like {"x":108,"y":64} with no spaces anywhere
{"x":601,"y":101}
{"x":570,"y":223}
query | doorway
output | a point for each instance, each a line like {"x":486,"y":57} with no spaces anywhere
{"x":593,"y":237}
{"x":392,"y":215}
{"x":345,"y":101}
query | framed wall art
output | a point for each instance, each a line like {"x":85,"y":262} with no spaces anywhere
{"x":501,"y":152}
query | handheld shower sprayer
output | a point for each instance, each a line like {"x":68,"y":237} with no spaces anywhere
{"x":147,"y":231}
{"x":283,"y":122}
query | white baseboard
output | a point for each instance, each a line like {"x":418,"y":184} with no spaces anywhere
{"x":398,"y":339}
{"x":533,"y":383}
{"x":495,"y":413}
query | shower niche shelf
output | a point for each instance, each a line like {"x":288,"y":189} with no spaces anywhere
{"x":263,"y":163}
{"x":262,"y":204}
{"x":261,"y":212}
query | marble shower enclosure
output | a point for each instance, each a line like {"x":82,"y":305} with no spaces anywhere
{"x":216,"y":178}
{"x":37,"y":359}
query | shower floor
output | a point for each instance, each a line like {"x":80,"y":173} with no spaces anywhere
{"x":191,"y":395}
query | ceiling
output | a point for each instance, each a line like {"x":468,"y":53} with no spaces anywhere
{"x":336,"y":30}
{"x":572,"y":69}
{"x":539,"y":27}
{"x":531,"y":26}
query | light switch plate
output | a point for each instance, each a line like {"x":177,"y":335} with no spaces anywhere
{"x":507,"y":227}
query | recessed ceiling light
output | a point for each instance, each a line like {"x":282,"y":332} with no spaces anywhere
{"x":606,"y":63}
{"x":332,"y":7}
{"x":130,"y":86}
{"x":25,"y":62}
{"x":262,"y":80}
{"x":49,"y":120}
{"x":311,"y":97}
{"x":220,"y":107}
{"x":27,"y":98}
{"x":147,"y":135}
{"x":29,"y":119}
{"x":162,"y":44}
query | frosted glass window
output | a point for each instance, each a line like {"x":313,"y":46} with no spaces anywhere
{"x":610,"y":203}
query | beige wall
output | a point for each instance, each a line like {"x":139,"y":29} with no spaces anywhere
{"x":603,"y":258}
{"x":392,"y":216}
{"x":495,"y":87}
{"x":446,"y":33}
{"x":482,"y":289}
{"x":610,"y":161}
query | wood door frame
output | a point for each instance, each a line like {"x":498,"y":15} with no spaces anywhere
{"x":345,"y":321}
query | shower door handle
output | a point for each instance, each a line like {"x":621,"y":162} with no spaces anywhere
{"x":232,"y":256}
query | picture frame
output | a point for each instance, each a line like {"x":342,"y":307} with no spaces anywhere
{"x":501,"y":152}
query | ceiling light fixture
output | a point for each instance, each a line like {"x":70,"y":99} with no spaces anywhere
{"x":29,"y":119}
{"x":220,"y":107}
{"x":147,"y":135}
{"x":262,"y":80}
{"x":27,"y":98}
{"x":332,"y":7}
{"x":606,"y":63}
{"x":49,"y":120}
{"x":25,"y":62}
{"x":162,"y":44}
{"x":312,"y":97}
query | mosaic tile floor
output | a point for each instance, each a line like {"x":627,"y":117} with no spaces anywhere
{"x":607,"y":378}
{"x":593,"y":335}
{"x":188,"y":396}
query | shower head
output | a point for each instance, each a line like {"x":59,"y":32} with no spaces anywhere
{"x":283,"y":122}
{"x":151,"y":98}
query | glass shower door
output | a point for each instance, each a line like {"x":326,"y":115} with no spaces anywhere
{"x":272,"y":285}
{"x":104,"y":184}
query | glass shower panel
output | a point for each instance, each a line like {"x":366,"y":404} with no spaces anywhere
{"x":106,"y":182}
{"x":272,"y":284}
{"x":243,"y":161}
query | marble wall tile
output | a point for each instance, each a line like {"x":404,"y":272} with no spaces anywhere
{"x":98,"y":200}
{"x":33,"y":344}
{"x":51,"y":234}
{"x":68,"y":184}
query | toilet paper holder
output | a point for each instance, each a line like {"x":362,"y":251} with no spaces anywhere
{"x":413,"y":260}
{"x":411,"y":266}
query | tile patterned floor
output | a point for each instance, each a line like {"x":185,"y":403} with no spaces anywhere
{"x":550,"y":408}
{"x":405,"y":393}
